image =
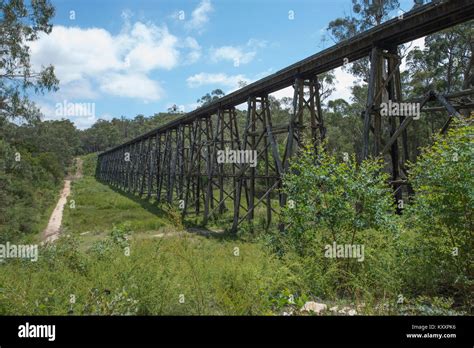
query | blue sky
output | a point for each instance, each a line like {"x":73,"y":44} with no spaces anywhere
{"x":143,"y":56}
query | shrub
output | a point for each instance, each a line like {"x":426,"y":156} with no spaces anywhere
{"x":206,"y":274}
{"x":120,"y":234}
{"x":440,"y":243}
{"x":27,"y":190}
{"x":343,"y":203}
{"x":337,"y":197}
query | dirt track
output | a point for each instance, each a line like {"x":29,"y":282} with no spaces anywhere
{"x":52,"y":231}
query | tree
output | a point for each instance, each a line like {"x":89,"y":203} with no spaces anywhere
{"x":20,"y":24}
{"x":242,"y":83}
{"x":367,"y":14}
{"x":210,"y":97}
{"x":445,"y":64}
{"x":326,"y":82}
{"x":338,"y":106}
{"x":173,"y":109}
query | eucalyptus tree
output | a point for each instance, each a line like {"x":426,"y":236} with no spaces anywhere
{"x":21,"y":23}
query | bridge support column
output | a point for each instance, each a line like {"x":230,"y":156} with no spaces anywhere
{"x":259,"y":180}
{"x":384,"y":90}
{"x":223,"y":135}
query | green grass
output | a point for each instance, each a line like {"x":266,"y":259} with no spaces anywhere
{"x":209,"y":273}
{"x":216,"y":275}
{"x":98,"y":207}
{"x":119,"y":254}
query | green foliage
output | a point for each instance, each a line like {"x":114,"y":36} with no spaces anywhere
{"x":21,"y":23}
{"x":444,"y":63}
{"x":120,"y":234}
{"x":370,"y":281}
{"x":365,"y":15}
{"x":441,"y":216}
{"x":423,"y":305}
{"x":425,"y":256}
{"x":50,"y":162}
{"x":338,"y":201}
{"x":444,"y":185}
{"x":151,"y":281}
{"x":28,"y":187}
{"x":208,"y":98}
{"x":89,"y":163}
{"x":34,"y":158}
{"x":336,"y":195}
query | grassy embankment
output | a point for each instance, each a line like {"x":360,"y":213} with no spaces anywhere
{"x":120,"y":255}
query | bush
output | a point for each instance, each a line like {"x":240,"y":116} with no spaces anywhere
{"x":27,"y":190}
{"x":89,"y":164}
{"x":342,"y":197}
{"x":169,"y":276}
{"x":343,"y":203}
{"x":440,"y":219}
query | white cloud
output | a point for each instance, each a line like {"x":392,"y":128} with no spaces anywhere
{"x":201,"y":79}
{"x":92,"y":62}
{"x":237,"y":54}
{"x":131,"y":85}
{"x":84,"y":122}
{"x":420,"y":43}
{"x":190,"y":107}
{"x":194,"y":50}
{"x":77,"y":89}
{"x":200,"y":16}
{"x":344,"y":82}
{"x":86,"y":57}
{"x":152,"y":48}
{"x":76,"y":53}
{"x":233,"y":54}
{"x":256,"y":43}
{"x":283,"y":93}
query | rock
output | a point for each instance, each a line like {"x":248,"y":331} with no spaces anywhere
{"x":333,"y":309}
{"x":314,"y":307}
{"x":344,"y":310}
{"x":347,"y":311}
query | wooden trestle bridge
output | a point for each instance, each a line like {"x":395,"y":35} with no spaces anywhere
{"x":177,"y":163}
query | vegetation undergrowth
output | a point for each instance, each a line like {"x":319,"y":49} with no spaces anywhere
{"x":406,"y":266}
{"x":417,"y":263}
